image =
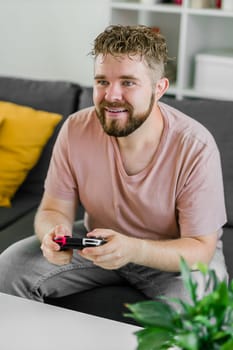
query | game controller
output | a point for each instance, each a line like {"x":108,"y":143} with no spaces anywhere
{"x":67,"y":242}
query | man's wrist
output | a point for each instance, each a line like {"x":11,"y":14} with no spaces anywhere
{"x":139,"y":251}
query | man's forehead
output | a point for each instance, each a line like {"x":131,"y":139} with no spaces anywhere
{"x":134,"y":58}
{"x":120,"y":65}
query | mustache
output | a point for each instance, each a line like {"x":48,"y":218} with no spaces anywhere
{"x":125,"y":105}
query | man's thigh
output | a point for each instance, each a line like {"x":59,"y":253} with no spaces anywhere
{"x":25,"y":272}
{"x":154,"y":283}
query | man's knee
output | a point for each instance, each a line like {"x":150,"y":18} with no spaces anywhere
{"x":15,"y":262}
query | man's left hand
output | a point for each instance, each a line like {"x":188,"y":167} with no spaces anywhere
{"x":117,"y":252}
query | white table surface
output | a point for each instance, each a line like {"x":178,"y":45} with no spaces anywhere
{"x":30,"y":325}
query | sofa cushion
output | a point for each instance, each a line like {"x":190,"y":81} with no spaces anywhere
{"x":216,"y":116}
{"x":19,"y":208}
{"x":19,"y":229}
{"x":23,"y":135}
{"x":86,"y":98}
{"x":51,"y":96}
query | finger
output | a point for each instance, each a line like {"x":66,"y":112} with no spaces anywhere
{"x":112,"y":259}
{"x":107,"y":248}
{"x":103,"y":233}
{"x":48,"y":243}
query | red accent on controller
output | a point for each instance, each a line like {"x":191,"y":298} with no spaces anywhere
{"x":61,"y":240}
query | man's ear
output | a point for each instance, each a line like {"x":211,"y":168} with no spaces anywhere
{"x":161,"y":87}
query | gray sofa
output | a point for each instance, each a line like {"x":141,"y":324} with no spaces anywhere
{"x":65,"y":98}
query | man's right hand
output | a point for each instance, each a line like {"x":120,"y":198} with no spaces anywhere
{"x":51,"y":250}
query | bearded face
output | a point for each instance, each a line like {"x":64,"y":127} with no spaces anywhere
{"x":124,"y":93}
{"x":121,"y":119}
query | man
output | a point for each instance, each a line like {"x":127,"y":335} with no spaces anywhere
{"x":148,"y":176}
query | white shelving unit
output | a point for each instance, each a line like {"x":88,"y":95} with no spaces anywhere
{"x":188,"y":31}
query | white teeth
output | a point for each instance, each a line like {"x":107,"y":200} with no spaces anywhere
{"x":116,"y":111}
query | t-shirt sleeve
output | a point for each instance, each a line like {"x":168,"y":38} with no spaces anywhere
{"x":200,"y":203}
{"x":61,"y":181}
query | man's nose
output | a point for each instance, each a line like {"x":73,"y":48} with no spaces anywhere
{"x":113,"y":92}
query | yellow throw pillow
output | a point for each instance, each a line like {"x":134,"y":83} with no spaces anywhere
{"x":24,"y":132}
{"x":1,"y":120}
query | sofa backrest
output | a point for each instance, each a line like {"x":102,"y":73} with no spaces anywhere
{"x":52,"y":96}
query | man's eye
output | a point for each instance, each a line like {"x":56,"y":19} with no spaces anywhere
{"x":128,"y":83}
{"x":102,"y":82}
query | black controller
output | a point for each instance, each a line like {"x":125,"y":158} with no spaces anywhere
{"x":67,"y":242}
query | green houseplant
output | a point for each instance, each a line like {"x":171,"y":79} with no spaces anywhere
{"x":205,"y":324}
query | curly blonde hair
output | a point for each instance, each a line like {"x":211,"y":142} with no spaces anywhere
{"x":118,"y":40}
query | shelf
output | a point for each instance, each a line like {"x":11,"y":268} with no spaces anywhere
{"x":188,"y":32}
{"x":209,"y":12}
{"x":143,"y":7}
{"x":170,"y":8}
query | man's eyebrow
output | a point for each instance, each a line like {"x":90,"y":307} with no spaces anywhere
{"x":99,"y":76}
{"x":127,"y":77}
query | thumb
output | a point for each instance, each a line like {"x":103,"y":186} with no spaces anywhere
{"x":61,"y":230}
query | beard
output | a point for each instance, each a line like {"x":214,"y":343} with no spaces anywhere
{"x":133,"y":122}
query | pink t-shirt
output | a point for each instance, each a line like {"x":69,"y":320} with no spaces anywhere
{"x":180,"y":193}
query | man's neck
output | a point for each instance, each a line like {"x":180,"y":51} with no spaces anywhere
{"x":148,"y":133}
{"x":138,"y":149}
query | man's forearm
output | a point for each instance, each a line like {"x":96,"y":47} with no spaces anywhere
{"x":46,"y":220}
{"x":165,"y":255}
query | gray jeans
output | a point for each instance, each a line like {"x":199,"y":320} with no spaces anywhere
{"x":25,"y":272}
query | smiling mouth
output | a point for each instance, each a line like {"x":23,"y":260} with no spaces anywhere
{"x":110,"y":110}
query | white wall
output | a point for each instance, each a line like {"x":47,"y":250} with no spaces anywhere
{"x":50,"y":39}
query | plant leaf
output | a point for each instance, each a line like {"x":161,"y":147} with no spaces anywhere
{"x":152,"y":338}
{"x":189,"y":284}
{"x":203,"y":268}
{"x":202,"y":324}
{"x":152,"y":313}
{"x":187,"y":341}
{"x":228,"y":345}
